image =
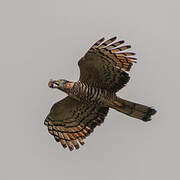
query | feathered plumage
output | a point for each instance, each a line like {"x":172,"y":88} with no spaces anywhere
{"x":103,"y":72}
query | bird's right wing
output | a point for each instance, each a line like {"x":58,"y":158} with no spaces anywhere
{"x":71,"y":121}
{"x":105,"y":65}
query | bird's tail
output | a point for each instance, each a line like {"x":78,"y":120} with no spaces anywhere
{"x":132,"y":109}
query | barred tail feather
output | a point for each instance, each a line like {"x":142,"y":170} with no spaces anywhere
{"x":132,"y":109}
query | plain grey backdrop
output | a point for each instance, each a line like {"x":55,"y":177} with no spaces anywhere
{"x":43,"y":39}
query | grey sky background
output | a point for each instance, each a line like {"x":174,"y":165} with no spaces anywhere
{"x":43,"y":39}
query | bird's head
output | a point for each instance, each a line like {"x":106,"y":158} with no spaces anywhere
{"x":61,"y":84}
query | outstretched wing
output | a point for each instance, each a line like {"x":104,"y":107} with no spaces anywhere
{"x":105,"y":65}
{"x":71,"y":121}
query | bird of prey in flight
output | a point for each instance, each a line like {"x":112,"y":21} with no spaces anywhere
{"x":103,"y":72}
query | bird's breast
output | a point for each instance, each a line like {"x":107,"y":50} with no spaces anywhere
{"x":84,"y":92}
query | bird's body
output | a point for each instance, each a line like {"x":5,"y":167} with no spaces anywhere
{"x":89,"y":94}
{"x":103,"y":72}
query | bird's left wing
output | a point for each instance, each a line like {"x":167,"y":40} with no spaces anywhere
{"x":71,"y":121}
{"x":106,"y":64}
